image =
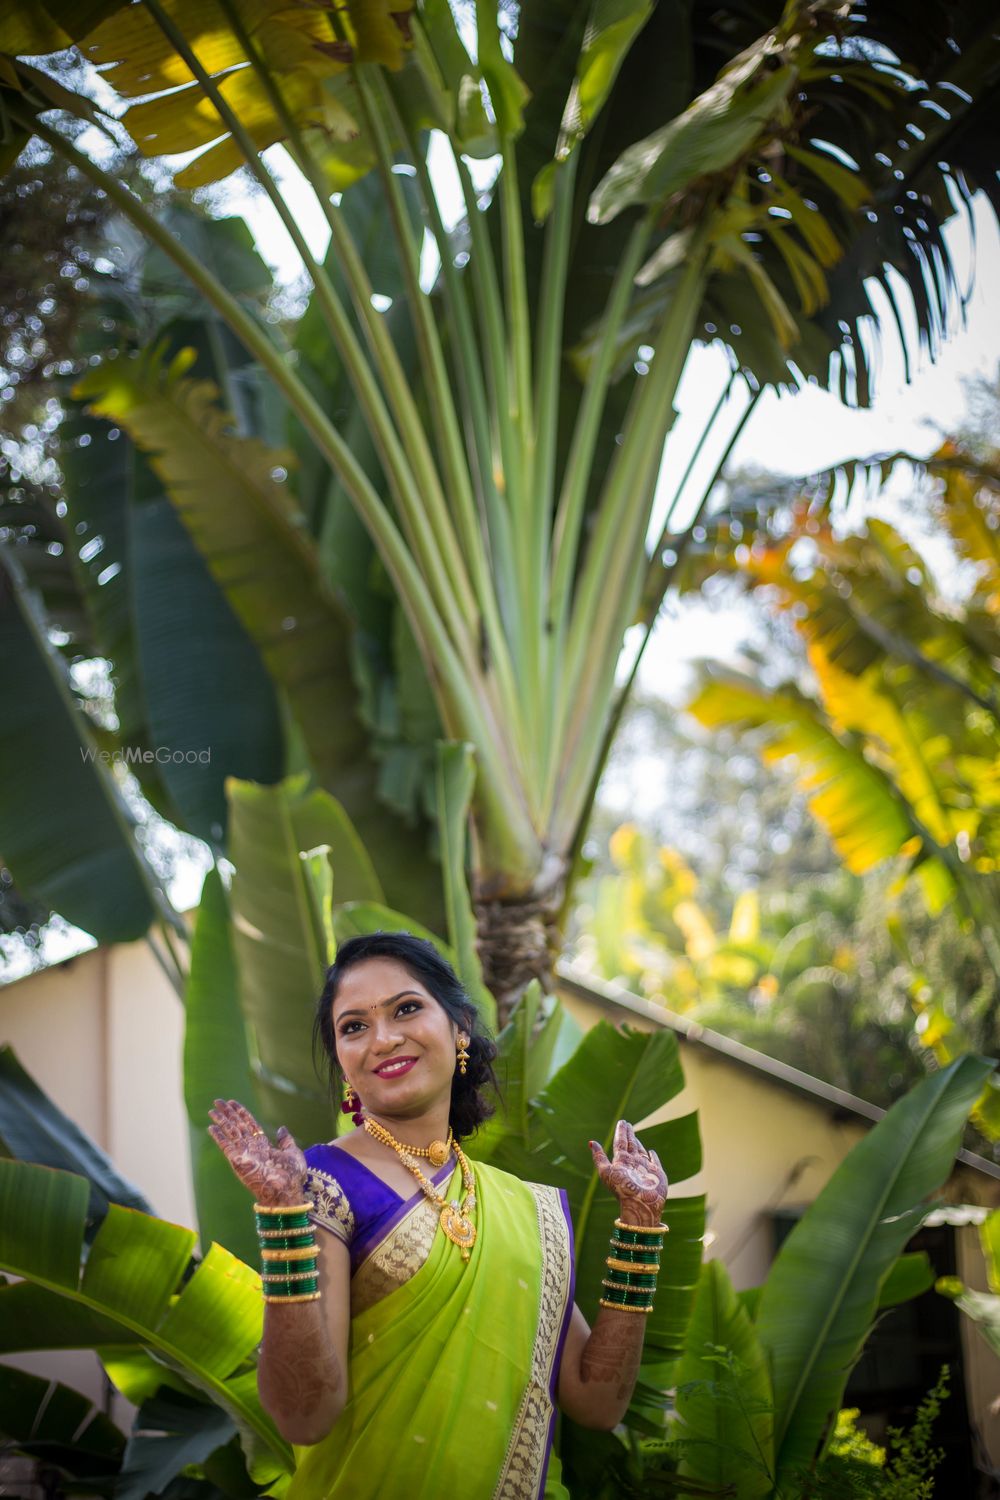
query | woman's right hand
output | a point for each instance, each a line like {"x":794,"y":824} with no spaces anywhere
{"x":276,"y":1175}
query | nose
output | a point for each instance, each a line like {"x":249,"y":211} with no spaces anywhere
{"x":385,"y":1034}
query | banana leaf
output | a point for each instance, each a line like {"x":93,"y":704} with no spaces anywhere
{"x":822,"y":1292}
{"x":60,"y":1428}
{"x":216,"y":1065}
{"x":279,"y":937}
{"x":170,"y":1433}
{"x":725,"y":1435}
{"x":66,"y":833}
{"x":132,"y":1289}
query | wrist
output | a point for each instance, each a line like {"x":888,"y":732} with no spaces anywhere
{"x":642,"y":1215}
{"x":282,"y":1200}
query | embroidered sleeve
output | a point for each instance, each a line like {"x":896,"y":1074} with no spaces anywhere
{"x":331,"y":1208}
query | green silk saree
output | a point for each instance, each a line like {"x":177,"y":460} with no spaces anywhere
{"x":453,"y":1371}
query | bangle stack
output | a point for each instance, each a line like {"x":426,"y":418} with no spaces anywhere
{"x":288,"y":1252}
{"x":634,"y":1262}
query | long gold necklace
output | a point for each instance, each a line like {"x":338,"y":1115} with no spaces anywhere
{"x":454,"y":1218}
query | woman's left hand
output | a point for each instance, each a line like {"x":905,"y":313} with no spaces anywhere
{"x":634,"y":1175}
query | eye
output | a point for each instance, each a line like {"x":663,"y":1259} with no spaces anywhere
{"x":407,"y":1005}
{"x":347,"y":1028}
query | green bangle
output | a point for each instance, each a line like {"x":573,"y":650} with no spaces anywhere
{"x":631,"y":1278}
{"x":629,"y":1298}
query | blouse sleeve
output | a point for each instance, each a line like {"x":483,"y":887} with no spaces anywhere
{"x":331,"y":1208}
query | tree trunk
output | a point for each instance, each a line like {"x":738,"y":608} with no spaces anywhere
{"x":519,"y":938}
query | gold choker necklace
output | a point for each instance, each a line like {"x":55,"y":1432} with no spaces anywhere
{"x":454,"y":1218}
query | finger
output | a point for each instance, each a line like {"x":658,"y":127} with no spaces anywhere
{"x":621,"y":1141}
{"x":244,"y":1118}
{"x":286,"y":1141}
{"x":224,"y":1126}
{"x":658,"y":1164}
{"x":634,"y":1142}
{"x":597,"y":1151}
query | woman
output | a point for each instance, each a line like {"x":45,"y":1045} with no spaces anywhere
{"x":419,"y":1325}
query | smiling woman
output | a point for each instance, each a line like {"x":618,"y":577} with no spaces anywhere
{"x":420,"y":1328}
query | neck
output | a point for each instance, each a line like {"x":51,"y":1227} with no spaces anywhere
{"x":417,"y":1129}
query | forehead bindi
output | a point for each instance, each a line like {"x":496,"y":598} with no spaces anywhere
{"x":376,"y":986}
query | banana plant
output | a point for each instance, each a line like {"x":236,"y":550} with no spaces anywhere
{"x":507,"y":482}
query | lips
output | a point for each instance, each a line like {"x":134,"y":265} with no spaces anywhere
{"x":395,"y":1067}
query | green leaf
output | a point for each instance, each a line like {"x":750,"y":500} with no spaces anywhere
{"x":849,"y":186}
{"x":724,"y":1399}
{"x":216,"y":1065}
{"x":719,"y":127}
{"x":456,"y":777}
{"x":60,"y":1428}
{"x":612,"y":27}
{"x":33,"y":1128}
{"x":982,"y":1307}
{"x":280,"y":955}
{"x":67,"y":836}
{"x":185,"y":1433}
{"x":508,"y":92}
{"x":211,"y":714}
{"x":989,"y":1239}
{"x":132,"y":1288}
{"x":911,"y":1276}
{"x":248,"y":528}
{"x":823,"y":1289}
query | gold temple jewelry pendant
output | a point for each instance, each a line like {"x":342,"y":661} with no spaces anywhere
{"x":438,"y":1153}
{"x":459,"y":1229}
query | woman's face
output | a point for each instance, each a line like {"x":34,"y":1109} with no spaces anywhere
{"x":395,"y":1043}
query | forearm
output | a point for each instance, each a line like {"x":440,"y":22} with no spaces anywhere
{"x":299,"y":1377}
{"x":609,"y":1367}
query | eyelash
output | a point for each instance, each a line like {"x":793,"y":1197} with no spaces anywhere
{"x":347,"y":1030}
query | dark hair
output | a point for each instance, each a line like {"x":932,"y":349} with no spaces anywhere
{"x":469,"y":1105}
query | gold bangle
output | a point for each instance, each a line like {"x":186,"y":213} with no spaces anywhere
{"x":278,"y":1234}
{"x":297,"y":1297}
{"x":290,"y":1276}
{"x":298,"y":1208}
{"x":639,"y":1268}
{"x":624,"y":1306}
{"x":299,"y":1252}
{"x":643,"y":1228}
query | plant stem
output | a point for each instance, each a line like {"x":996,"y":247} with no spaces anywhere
{"x":464,"y":711}
{"x":426,"y":509}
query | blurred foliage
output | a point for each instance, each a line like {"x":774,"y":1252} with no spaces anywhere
{"x":809,"y":975}
{"x":855,"y":1468}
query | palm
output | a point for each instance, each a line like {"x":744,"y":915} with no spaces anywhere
{"x":275,"y":1174}
{"x":634,"y":1175}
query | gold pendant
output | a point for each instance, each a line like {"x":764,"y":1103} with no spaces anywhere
{"x":459,"y":1229}
{"x":438,"y":1153}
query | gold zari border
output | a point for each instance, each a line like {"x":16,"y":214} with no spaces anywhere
{"x":521,"y":1475}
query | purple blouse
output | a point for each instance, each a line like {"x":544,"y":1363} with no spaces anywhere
{"x":353,"y":1202}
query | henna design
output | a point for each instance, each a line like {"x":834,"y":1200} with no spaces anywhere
{"x":614,"y":1351}
{"x":299,"y":1373}
{"x":634,"y":1175}
{"x":274,"y":1174}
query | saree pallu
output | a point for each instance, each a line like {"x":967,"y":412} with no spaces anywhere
{"x":452,"y":1374}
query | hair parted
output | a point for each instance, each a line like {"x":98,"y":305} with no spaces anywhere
{"x":469,"y":1105}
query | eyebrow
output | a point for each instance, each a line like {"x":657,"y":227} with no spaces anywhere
{"x":391,"y":1001}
